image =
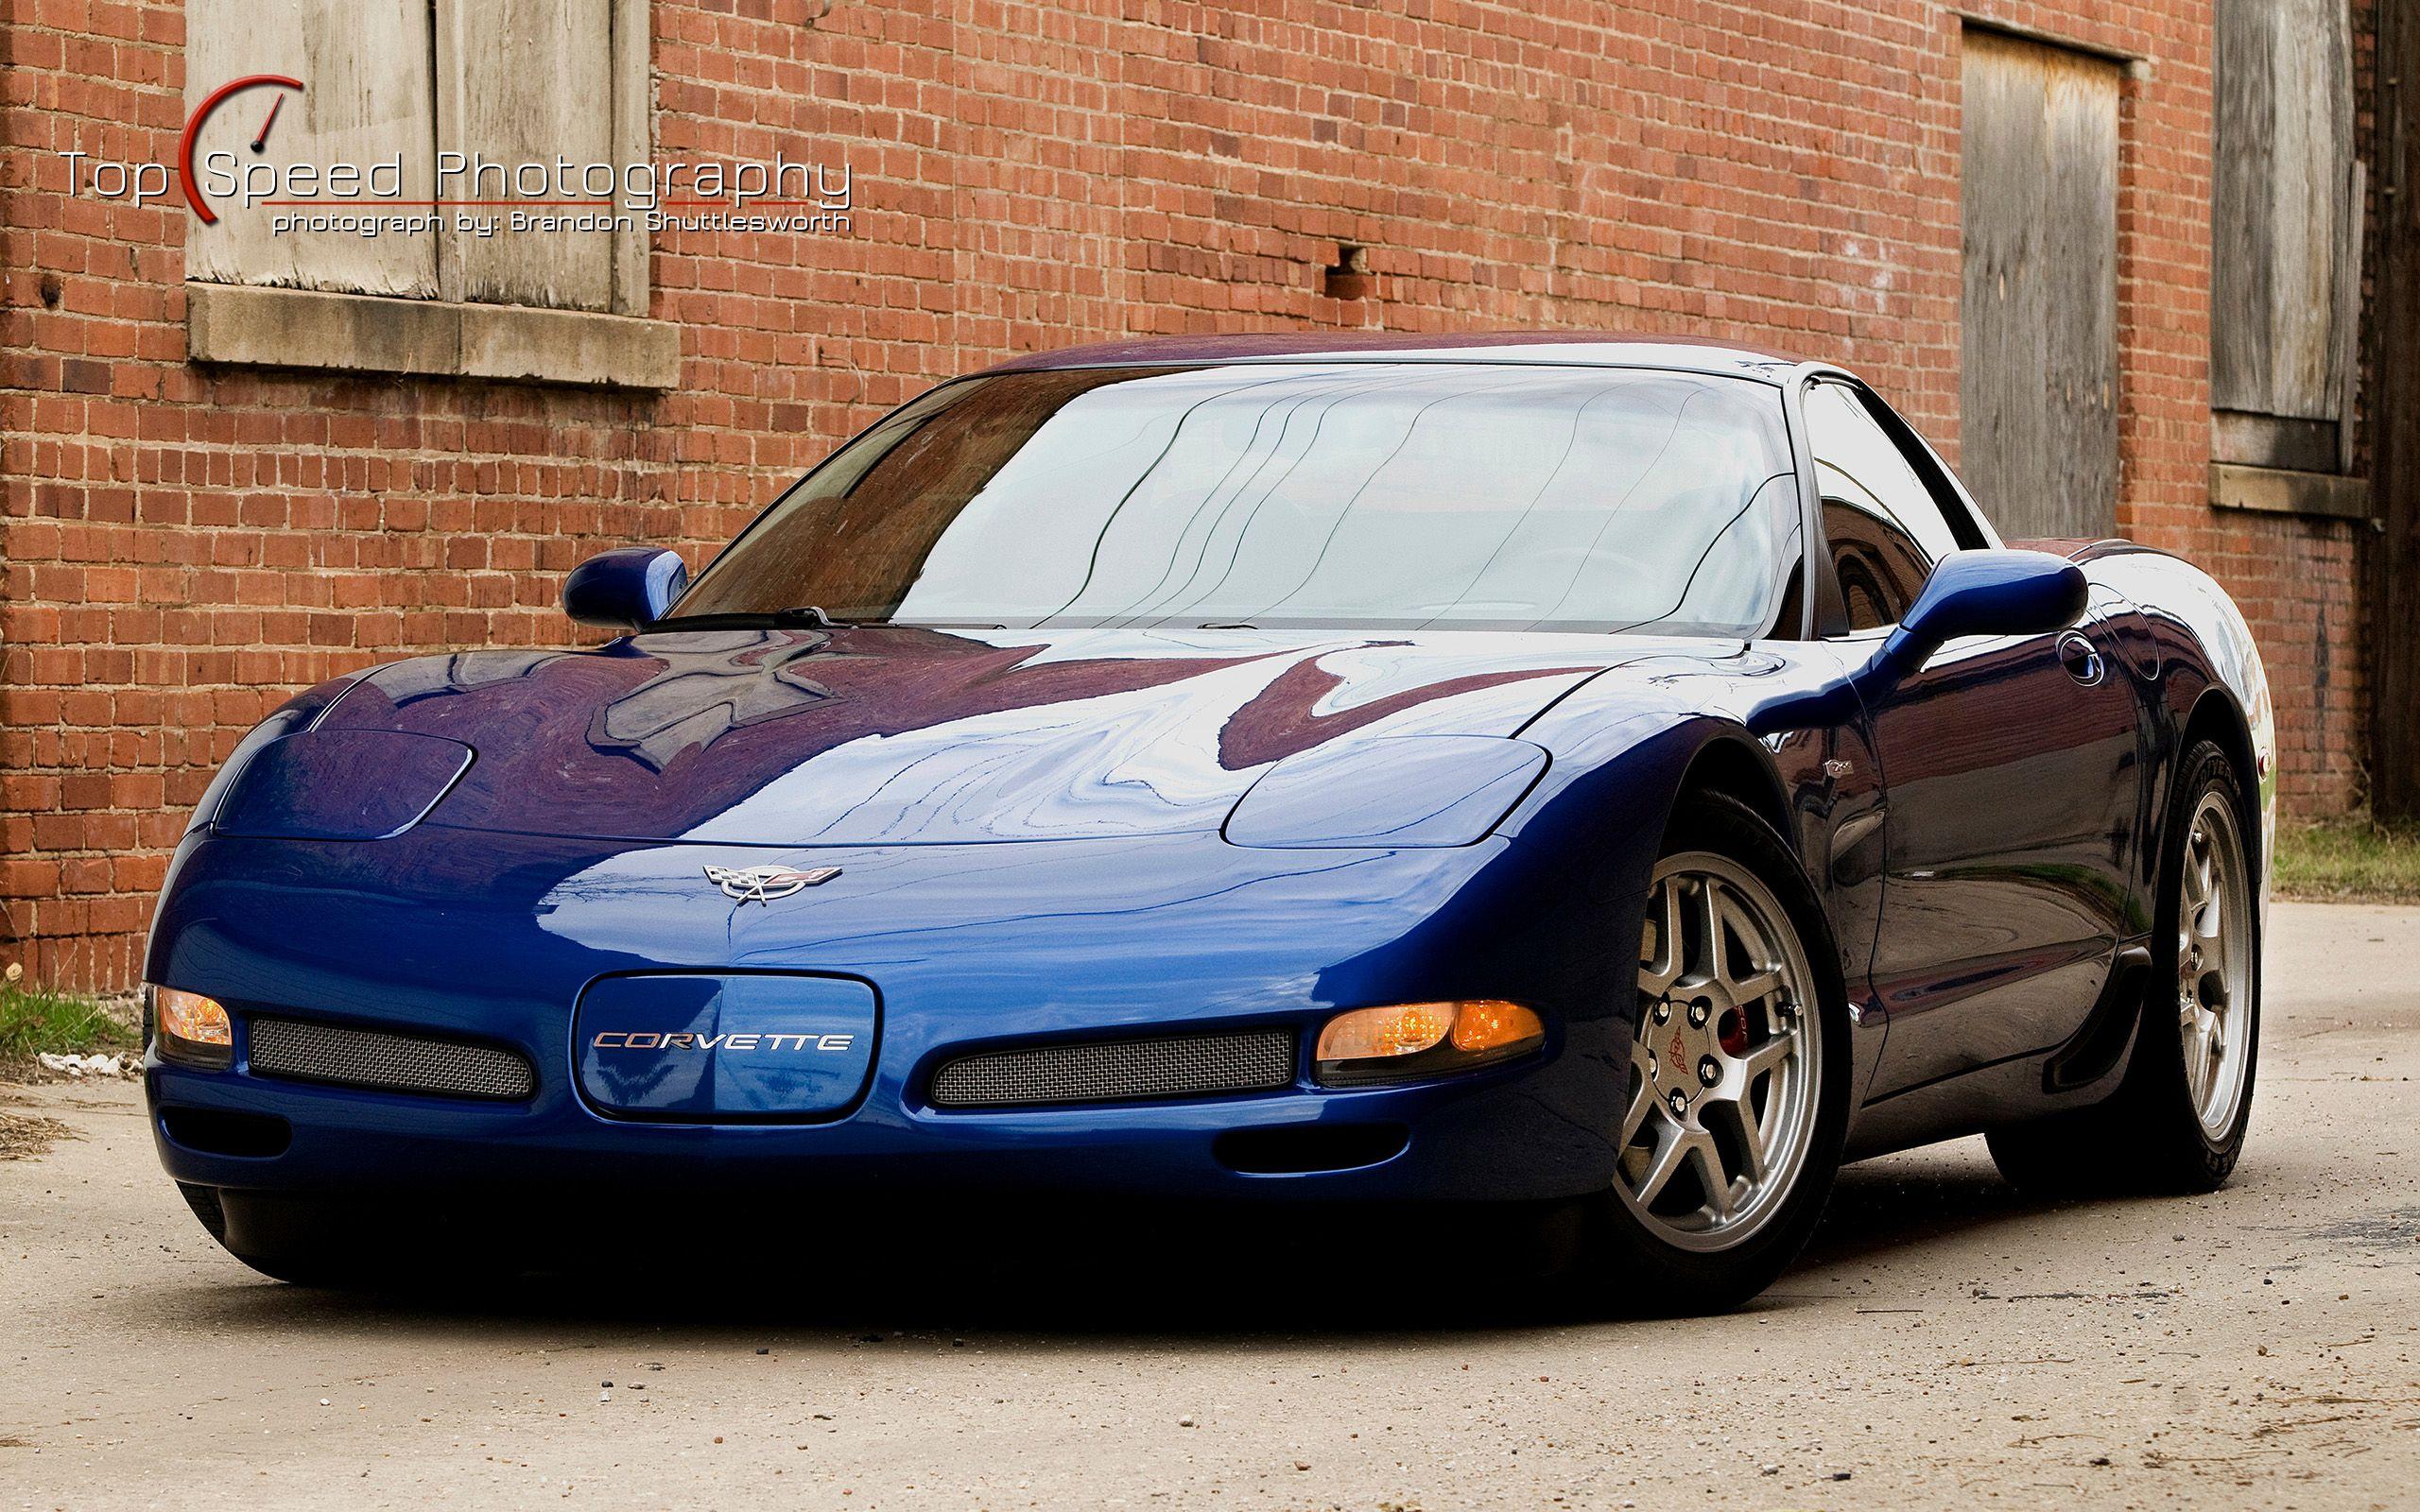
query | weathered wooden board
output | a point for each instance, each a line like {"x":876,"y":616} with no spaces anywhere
{"x":2280,"y":216}
{"x":633,"y":142}
{"x":525,"y":81}
{"x":2390,"y":650}
{"x":2038,"y":393}
{"x":366,"y":99}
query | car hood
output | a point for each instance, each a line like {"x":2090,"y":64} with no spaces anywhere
{"x":902,"y":735}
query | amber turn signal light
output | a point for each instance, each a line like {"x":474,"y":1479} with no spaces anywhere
{"x":1410,"y":1039}
{"x":191,"y":1028}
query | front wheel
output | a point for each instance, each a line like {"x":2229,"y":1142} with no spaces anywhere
{"x":1737,"y":1084}
{"x":339,"y":1244}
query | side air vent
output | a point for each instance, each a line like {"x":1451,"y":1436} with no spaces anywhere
{"x":1110,"y":1071}
{"x":306,"y":1051}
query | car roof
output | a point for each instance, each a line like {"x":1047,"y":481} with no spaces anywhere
{"x":1594,"y":349}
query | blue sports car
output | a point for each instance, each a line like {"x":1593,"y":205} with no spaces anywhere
{"x":1623,"y":777}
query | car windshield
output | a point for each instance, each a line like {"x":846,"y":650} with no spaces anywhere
{"x":1351,"y":495}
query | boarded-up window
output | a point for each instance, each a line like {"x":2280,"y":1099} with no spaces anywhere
{"x":2283,"y":210}
{"x":364,"y":102}
{"x":486,"y":107}
{"x":512,"y":82}
{"x":2038,"y":391}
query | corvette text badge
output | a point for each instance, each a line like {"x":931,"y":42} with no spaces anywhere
{"x":762,"y":884}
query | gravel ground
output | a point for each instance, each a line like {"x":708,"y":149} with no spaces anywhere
{"x":1946,"y":1342}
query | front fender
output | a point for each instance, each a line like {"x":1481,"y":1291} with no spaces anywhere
{"x":1628,"y":743}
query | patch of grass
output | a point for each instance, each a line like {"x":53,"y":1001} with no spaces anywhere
{"x":34,"y":1021}
{"x":2348,"y":861}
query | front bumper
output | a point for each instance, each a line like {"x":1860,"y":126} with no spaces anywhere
{"x":494,"y":937}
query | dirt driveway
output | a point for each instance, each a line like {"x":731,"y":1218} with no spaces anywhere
{"x":1947,"y":1343}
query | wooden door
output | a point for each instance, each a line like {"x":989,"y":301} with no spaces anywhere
{"x":2038,"y":391}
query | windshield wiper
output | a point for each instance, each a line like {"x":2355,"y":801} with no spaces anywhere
{"x":811,"y":616}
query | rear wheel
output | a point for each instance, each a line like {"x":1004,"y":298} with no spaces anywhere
{"x":2177,"y":1120}
{"x":1736,"y":1077}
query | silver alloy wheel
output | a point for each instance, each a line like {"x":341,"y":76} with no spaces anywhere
{"x":2214,"y":963}
{"x":1725,"y":1063}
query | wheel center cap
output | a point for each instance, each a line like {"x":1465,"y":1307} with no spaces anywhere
{"x":1681,"y":1037}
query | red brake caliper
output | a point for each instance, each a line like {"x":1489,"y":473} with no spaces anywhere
{"x":1732,"y":1031}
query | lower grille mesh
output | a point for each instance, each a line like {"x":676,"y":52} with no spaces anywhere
{"x":206,"y":1206}
{"x":392,"y":1062}
{"x":1116,"y":1070}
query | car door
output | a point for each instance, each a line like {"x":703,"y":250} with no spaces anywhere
{"x":2009,"y":765}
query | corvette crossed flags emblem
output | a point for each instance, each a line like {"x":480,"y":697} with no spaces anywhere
{"x":762,"y":884}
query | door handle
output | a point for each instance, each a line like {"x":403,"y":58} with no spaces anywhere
{"x":2080,"y":657}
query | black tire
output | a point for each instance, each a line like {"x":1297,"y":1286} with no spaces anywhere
{"x":1622,"y":1257}
{"x":332,"y":1242}
{"x":2147,"y":1135}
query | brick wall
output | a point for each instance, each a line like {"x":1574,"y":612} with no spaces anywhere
{"x":182,"y":547}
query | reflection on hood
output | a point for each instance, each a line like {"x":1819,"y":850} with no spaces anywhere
{"x":899,"y":736}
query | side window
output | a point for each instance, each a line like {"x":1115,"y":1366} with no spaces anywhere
{"x":1884,"y":528}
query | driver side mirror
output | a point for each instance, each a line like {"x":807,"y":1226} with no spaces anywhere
{"x":1985,"y":593}
{"x":625,"y":590}
{"x":1970,"y":592}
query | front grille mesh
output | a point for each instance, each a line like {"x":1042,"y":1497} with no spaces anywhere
{"x":1117,"y":1070}
{"x":391,"y":1062}
{"x":206,"y":1206}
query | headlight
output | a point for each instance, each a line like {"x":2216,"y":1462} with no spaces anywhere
{"x":1394,"y":790}
{"x":1410,"y":1039}
{"x":295,"y":716}
{"x":190,"y":1028}
{"x":341,"y":784}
